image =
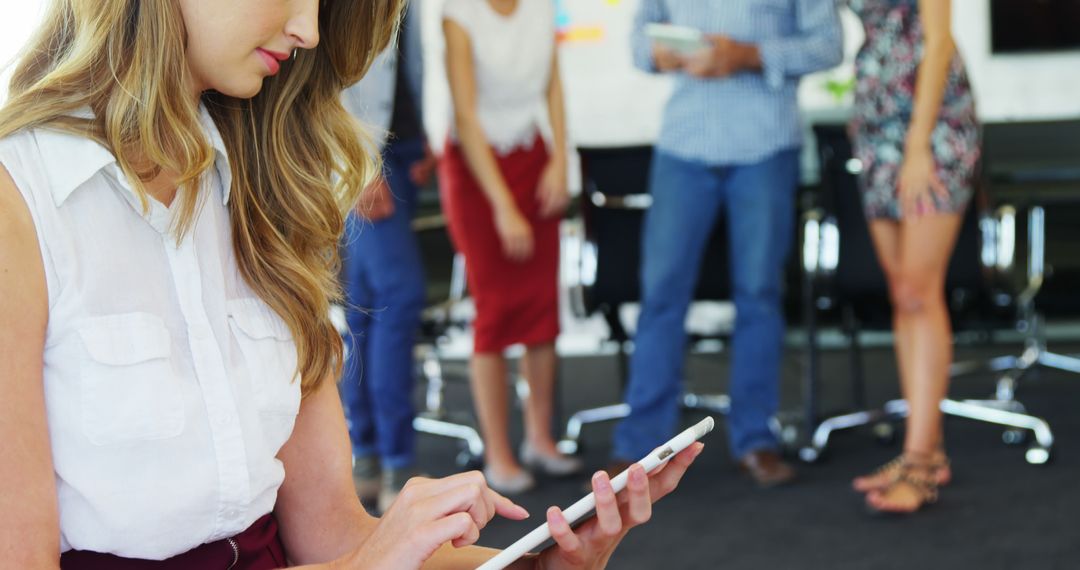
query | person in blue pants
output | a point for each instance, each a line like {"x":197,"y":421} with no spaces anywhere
{"x":383,"y":276}
{"x":728,"y":144}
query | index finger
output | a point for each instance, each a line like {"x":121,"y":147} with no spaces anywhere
{"x":502,"y":505}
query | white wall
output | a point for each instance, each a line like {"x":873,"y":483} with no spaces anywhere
{"x":1014,"y":87}
{"x":19,"y":20}
{"x":1009,"y":87}
{"x":1038,"y":86}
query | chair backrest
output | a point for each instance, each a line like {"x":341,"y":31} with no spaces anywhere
{"x":859,"y":281}
{"x":616,"y":195}
{"x":1037,"y":163}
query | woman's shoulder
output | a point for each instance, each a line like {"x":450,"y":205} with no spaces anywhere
{"x":456,"y":7}
{"x":20,"y":156}
{"x":53,"y":160}
{"x":21,"y":139}
{"x":53,"y":142}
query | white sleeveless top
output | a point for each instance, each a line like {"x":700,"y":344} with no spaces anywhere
{"x":168,"y":383}
{"x":512,"y":59}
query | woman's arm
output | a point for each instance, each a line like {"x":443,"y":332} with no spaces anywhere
{"x":319,"y":513}
{"x":462,"y":76}
{"x":557,"y":109}
{"x":933,"y":73}
{"x":433,"y":523}
{"x":514,"y":231}
{"x":918,"y":177}
{"x":29,"y":519}
{"x":552,"y":191}
{"x":322,"y":522}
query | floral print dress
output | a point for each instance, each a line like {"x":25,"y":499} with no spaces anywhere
{"x":885,"y":71}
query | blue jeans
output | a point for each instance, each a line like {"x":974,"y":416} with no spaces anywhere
{"x":687,"y":198}
{"x":383,"y":279}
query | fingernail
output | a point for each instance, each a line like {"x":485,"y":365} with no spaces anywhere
{"x":521,"y":509}
{"x":600,"y":482}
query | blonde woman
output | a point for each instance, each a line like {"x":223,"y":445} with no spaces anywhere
{"x":174,"y":177}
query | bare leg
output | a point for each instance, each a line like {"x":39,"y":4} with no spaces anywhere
{"x":538,"y":365}
{"x":926,"y":245}
{"x":489,"y":389}
{"x":887,"y":236}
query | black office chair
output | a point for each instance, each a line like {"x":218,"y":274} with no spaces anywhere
{"x":842,"y":271}
{"x":439,"y":322}
{"x":608,"y":262}
{"x":1036,"y":166}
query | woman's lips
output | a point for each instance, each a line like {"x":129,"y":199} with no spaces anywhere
{"x":272,"y":59}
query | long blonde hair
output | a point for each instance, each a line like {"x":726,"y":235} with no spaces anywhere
{"x":298,"y":159}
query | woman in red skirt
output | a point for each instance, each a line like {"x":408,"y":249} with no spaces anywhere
{"x":504,"y":194}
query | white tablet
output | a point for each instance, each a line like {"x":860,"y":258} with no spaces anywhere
{"x":680,"y":39}
{"x":586,"y":504}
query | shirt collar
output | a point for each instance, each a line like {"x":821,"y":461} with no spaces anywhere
{"x":81,"y":157}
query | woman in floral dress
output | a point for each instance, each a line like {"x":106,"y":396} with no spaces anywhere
{"x":917,"y":136}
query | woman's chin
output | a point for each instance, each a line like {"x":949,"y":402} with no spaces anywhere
{"x":242,"y":89}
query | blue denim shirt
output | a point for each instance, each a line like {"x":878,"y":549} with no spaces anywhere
{"x":749,"y":116}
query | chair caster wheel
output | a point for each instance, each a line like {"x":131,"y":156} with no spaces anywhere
{"x":809,"y":455}
{"x":885,"y":433}
{"x":1014,"y":436}
{"x":1037,"y":455}
{"x":569,"y":447}
{"x":468,"y":462}
{"x":789,"y":436}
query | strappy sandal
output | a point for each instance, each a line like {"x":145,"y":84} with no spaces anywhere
{"x":918,"y":478}
{"x":940,"y":469}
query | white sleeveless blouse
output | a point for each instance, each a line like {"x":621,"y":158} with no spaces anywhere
{"x":169,"y":385}
{"x":512,"y":61}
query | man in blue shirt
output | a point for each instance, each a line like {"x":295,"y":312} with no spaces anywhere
{"x":729,"y":143}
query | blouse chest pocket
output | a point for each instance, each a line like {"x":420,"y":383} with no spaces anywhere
{"x":129,"y":390}
{"x":269,"y":355}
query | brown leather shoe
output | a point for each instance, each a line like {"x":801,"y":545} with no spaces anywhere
{"x":767,"y":468}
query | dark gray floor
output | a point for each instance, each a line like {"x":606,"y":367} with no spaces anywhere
{"x":1000,"y":512}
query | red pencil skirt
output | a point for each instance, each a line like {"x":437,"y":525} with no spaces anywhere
{"x":257,"y":548}
{"x":516,"y":301}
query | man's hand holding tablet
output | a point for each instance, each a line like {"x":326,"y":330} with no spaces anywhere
{"x":672,"y":45}
{"x":682,"y":48}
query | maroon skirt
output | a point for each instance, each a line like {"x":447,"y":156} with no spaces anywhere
{"x":516,"y":301}
{"x":257,"y":548}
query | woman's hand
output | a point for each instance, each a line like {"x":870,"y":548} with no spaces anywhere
{"x":376,"y":202}
{"x":420,"y":172}
{"x":918,"y":182}
{"x":429,"y":513}
{"x":514,"y":232}
{"x":592,"y":544}
{"x":552,"y":192}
